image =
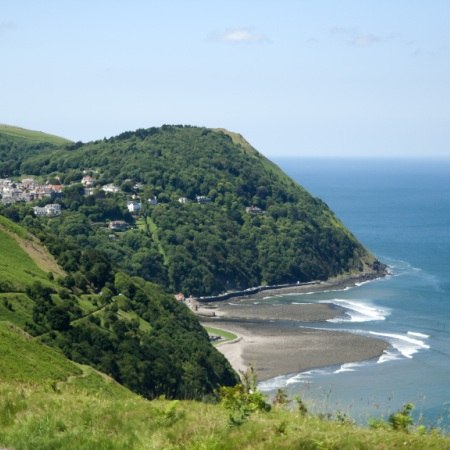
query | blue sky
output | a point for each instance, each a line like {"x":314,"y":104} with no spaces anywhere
{"x":296,"y":78}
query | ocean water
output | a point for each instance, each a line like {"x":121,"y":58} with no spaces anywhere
{"x":400,"y":210}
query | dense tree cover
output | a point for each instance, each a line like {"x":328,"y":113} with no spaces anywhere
{"x":15,"y":150}
{"x":126,"y":327}
{"x":145,"y":340}
{"x":195,"y":248}
{"x":101,"y":314}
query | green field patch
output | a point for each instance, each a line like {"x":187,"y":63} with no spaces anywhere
{"x":26,"y":360}
{"x":16,"y":308}
{"x":96,"y":383}
{"x":225,"y":335}
{"x":17,"y":269}
{"x":131,"y":315}
{"x":89,"y":303}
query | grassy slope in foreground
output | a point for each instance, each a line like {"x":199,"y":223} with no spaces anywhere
{"x":47,"y":402}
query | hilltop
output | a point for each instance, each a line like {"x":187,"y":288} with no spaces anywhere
{"x":31,"y":135}
{"x":211,"y":213}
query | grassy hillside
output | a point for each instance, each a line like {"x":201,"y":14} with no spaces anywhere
{"x":136,"y":332}
{"x":47,"y":402}
{"x":30,"y":135}
{"x":18,"y":268}
{"x":16,"y":144}
{"x":132,"y":329}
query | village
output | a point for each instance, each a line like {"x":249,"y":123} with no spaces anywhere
{"x":29,"y":190}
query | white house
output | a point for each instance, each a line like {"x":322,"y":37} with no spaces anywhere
{"x":112,"y":188}
{"x":134,"y":207}
{"x":152,"y":201}
{"x":50,"y":210}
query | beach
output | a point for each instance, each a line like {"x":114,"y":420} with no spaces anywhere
{"x":275,"y":338}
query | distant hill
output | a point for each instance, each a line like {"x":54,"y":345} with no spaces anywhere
{"x":18,"y":143}
{"x":31,"y":136}
{"x":227,"y":217}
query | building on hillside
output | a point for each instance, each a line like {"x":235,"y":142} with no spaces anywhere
{"x":118,"y":225}
{"x":183,"y":200}
{"x":88,"y":181}
{"x":134,"y":207}
{"x":55,"y":188}
{"x":203,"y":199}
{"x":152,"y":201}
{"x":50,"y":210}
{"x":28,"y":183}
{"x":253,"y":210}
{"x":111,"y":188}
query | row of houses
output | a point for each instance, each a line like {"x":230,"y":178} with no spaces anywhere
{"x":135,"y":206}
{"x":26,"y":190}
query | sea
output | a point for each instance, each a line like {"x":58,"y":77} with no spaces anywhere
{"x":399,"y":210}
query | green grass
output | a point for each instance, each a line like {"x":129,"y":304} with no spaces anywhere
{"x":87,"y":303}
{"x":13,"y":227}
{"x":225,"y":335}
{"x":17,"y":269}
{"x":16,"y":308}
{"x":25,"y":360}
{"x":48,"y":402}
{"x":154,"y":231}
{"x":131,"y":315}
{"x":35,"y":418}
{"x":30,"y":135}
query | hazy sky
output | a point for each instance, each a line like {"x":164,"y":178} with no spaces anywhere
{"x":303,"y":78}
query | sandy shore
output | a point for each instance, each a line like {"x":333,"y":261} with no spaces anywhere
{"x":274,"y":350}
{"x":274,"y":337}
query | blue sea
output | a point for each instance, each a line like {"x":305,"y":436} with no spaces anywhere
{"x":400,"y":210}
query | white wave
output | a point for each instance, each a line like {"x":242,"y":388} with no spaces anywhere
{"x":273,"y":383}
{"x":402,"y":346}
{"x":349,"y":367}
{"x":417,"y":334}
{"x":303,"y":377}
{"x":357,"y":312}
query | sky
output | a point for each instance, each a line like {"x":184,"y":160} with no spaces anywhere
{"x":303,"y":78}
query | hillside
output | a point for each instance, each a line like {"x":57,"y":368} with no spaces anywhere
{"x":81,"y":334}
{"x":30,"y":135}
{"x":221,"y":216}
{"x":48,"y":402}
{"x":131,"y":330}
{"x":18,"y":143}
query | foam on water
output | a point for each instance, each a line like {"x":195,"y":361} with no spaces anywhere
{"x":357,"y":311}
{"x":350,"y":367}
{"x":403,"y":345}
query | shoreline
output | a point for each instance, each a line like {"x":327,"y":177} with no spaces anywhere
{"x":273,"y":351}
{"x":334,"y":283}
{"x":276,"y":340}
